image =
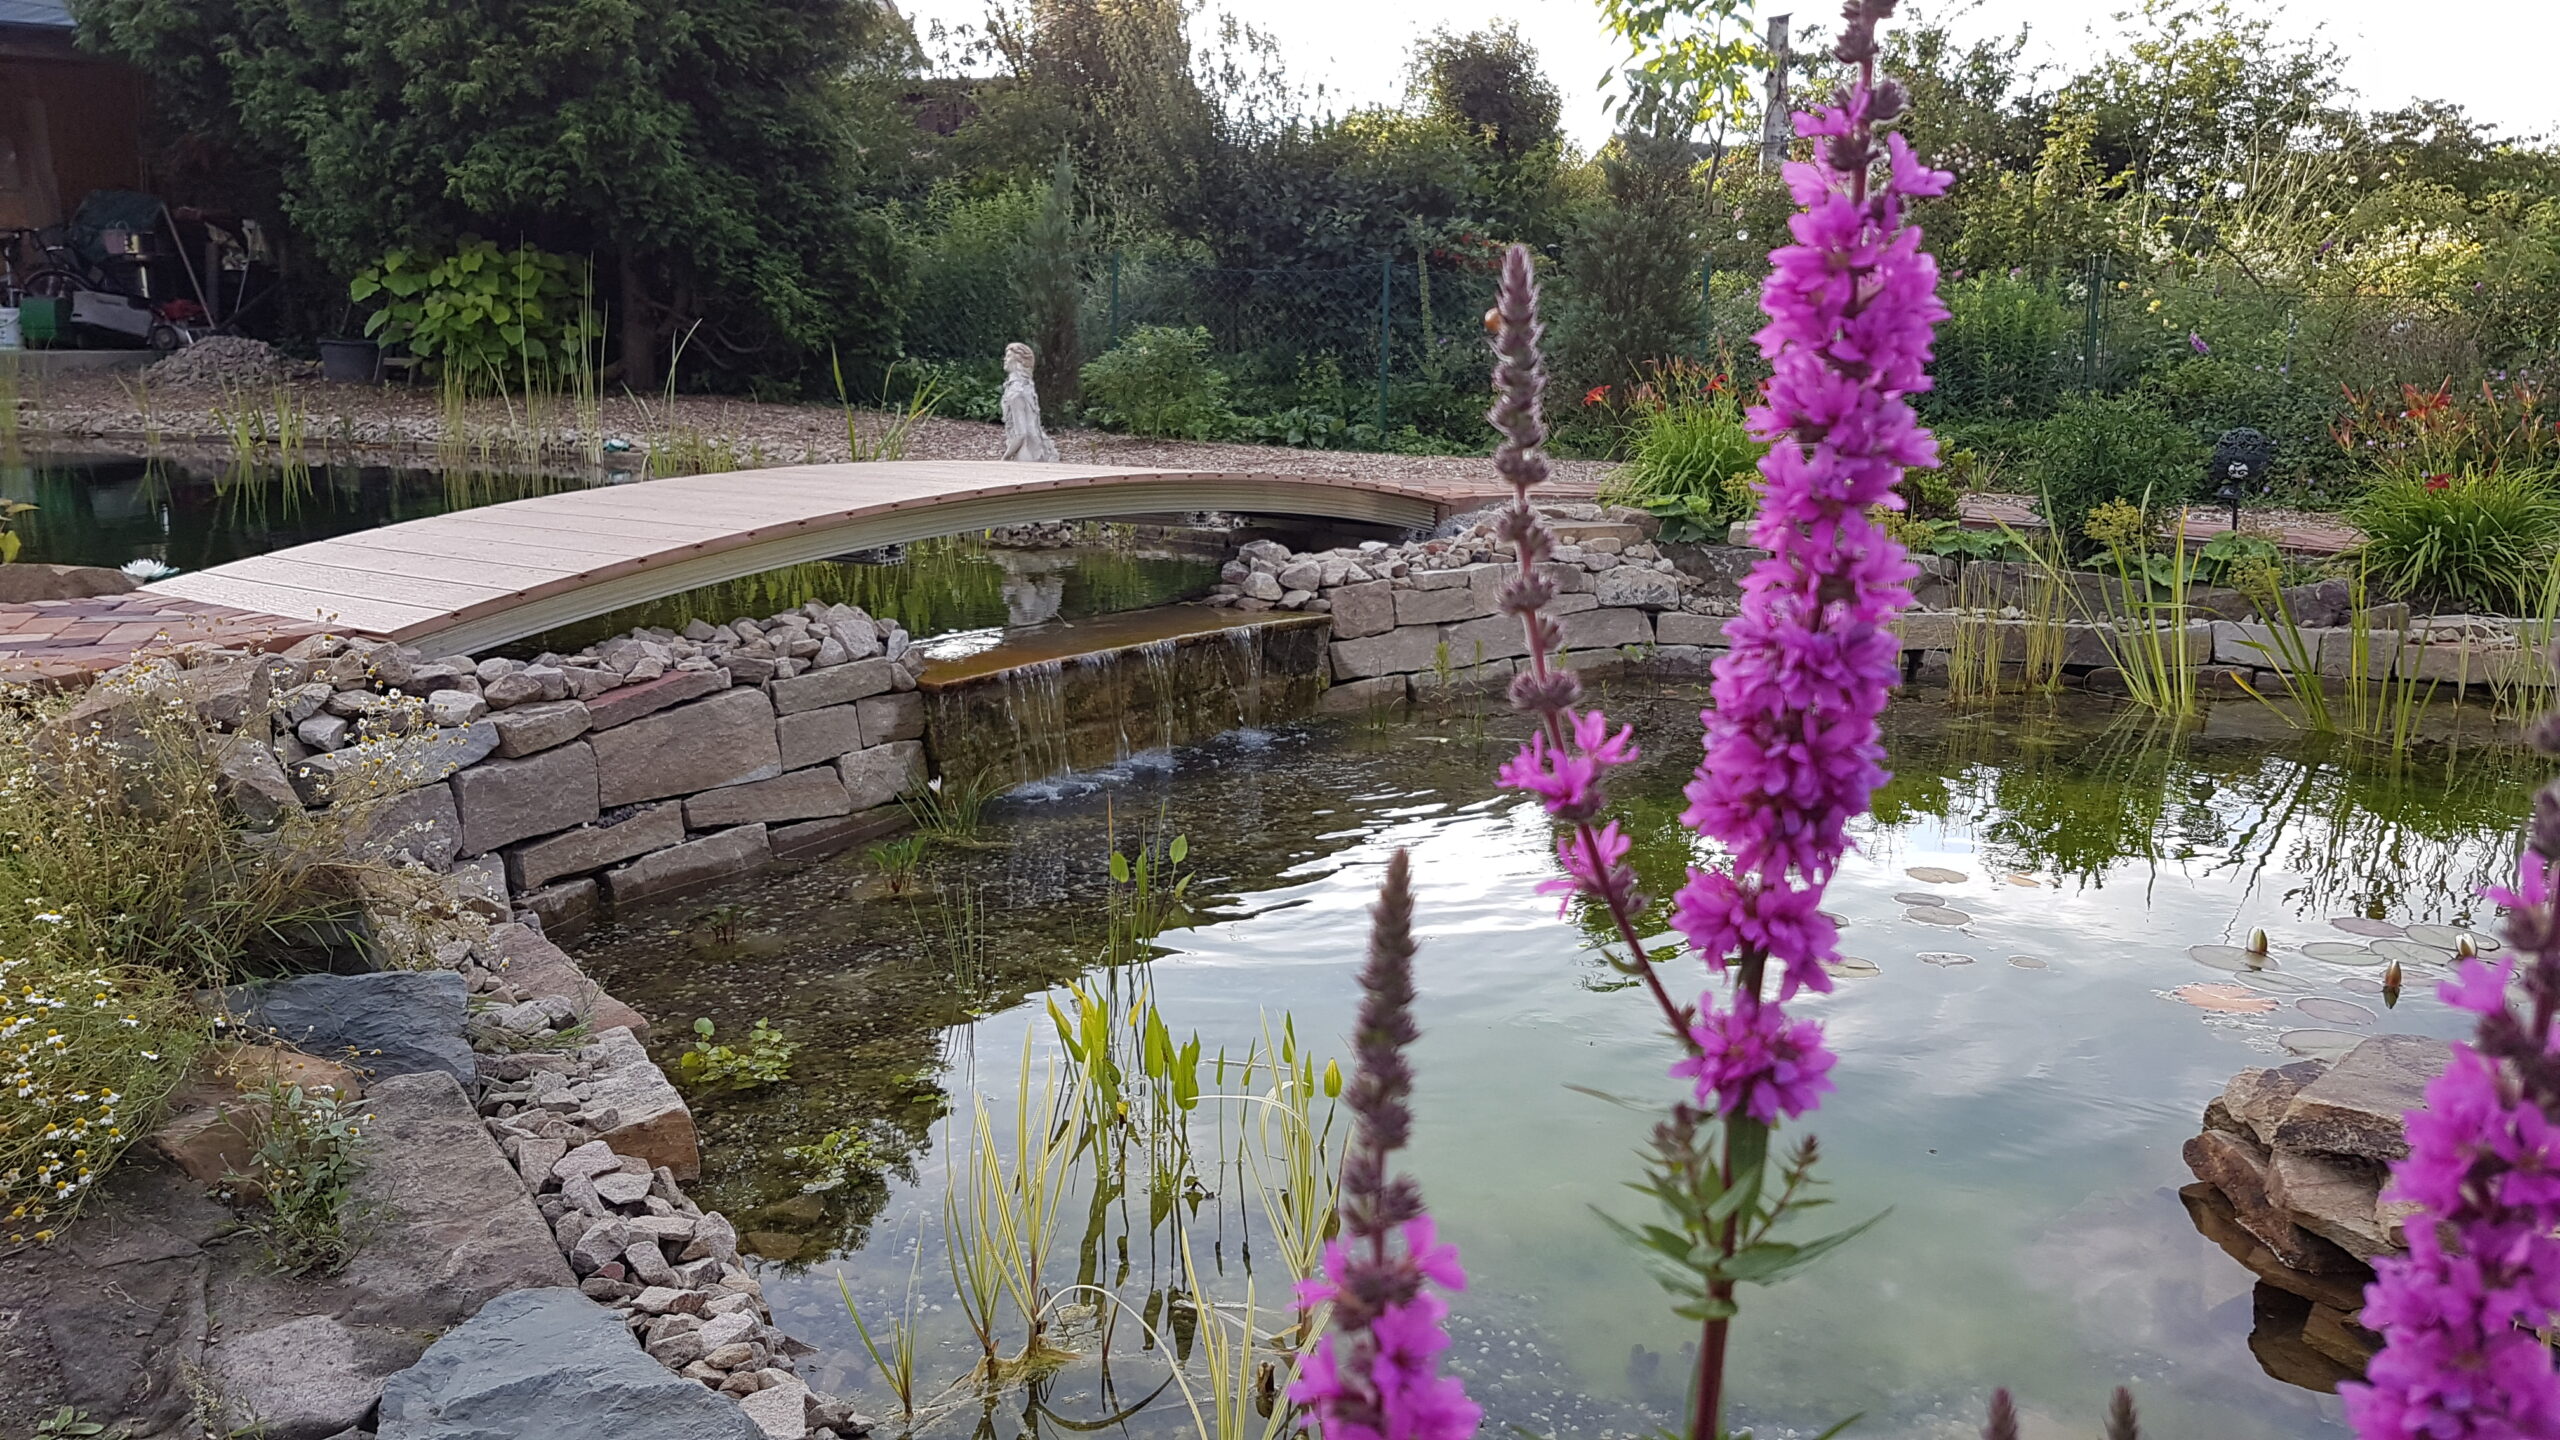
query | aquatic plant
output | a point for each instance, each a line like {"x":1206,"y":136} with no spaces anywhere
{"x":765,"y":1059}
{"x":2458,"y":1313}
{"x":1376,"y":1373}
{"x":1792,"y":747}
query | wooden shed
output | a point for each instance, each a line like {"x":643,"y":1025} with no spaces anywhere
{"x":70,"y":121}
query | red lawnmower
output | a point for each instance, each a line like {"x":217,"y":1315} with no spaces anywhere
{"x":129,"y":271}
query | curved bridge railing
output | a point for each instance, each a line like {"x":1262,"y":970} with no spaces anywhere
{"x":463,"y":582}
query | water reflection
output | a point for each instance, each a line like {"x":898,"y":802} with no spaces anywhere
{"x":2021,"y":1120}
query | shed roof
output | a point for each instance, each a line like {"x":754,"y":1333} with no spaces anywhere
{"x":46,"y":14}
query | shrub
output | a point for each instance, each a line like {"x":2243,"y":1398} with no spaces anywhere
{"x":2212,"y":394}
{"x":2099,"y":448}
{"x":2479,"y":542}
{"x":2000,"y":349}
{"x":483,"y":316}
{"x":1158,"y":381}
{"x":1695,"y":460}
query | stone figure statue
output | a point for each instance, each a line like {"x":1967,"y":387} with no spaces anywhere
{"x":1023,"y":437}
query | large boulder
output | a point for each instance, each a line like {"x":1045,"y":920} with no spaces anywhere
{"x":550,"y":1365}
{"x":2357,"y":1107}
{"x":394,"y":1022}
{"x":448,"y":1224}
{"x":26,"y":582}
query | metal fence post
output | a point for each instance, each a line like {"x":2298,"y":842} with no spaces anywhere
{"x":2089,"y":331}
{"x":1115,"y":297}
{"x":1707,"y":287}
{"x":1386,"y":295}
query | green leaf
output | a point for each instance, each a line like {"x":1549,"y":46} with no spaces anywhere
{"x":1119,"y":867}
{"x":1180,"y":848}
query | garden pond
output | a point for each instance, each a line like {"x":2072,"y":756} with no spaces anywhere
{"x":2018,"y":1068}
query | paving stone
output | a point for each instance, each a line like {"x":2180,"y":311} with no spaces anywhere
{"x":1439,"y":607}
{"x":1674,"y":627}
{"x":1399,"y":651}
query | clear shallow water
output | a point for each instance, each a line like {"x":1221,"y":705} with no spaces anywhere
{"x":2021,"y":1123}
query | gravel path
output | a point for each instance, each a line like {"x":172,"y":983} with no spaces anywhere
{"x":131,"y":412}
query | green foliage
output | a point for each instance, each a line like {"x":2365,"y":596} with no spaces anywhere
{"x":2098,"y":448}
{"x":301,"y":1177}
{"x":837,"y":1159}
{"x":90,"y":1053}
{"x":709,"y":1066}
{"x":68,"y":1423}
{"x":1050,"y":275}
{"x":11,"y":542}
{"x":703,"y":149}
{"x":1630,"y":295}
{"x":897,"y":861}
{"x":1690,"y":63}
{"x":2471,"y":542}
{"x":2000,"y":349}
{"x":1159,"y":381}
{"x":1695,"y":461}
{"x":484,"y":316}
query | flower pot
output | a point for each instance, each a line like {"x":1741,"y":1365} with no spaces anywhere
{"x":351,"y":362}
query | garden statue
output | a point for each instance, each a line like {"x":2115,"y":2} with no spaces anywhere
{"x":2241,"y":460}
{"x":1023,"y":437}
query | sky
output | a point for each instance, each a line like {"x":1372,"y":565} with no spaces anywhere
{"x":2491,"y":56}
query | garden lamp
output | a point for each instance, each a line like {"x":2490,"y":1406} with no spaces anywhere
{"x":2241,"y":460}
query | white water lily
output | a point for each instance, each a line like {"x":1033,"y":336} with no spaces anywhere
{"x":147,"y":569}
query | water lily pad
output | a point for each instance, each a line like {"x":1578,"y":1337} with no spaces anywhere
{"x":1838,"y":920}
{"x":1850,"y":967}
{"x":2228,"y":957}
{"x":2361,"y":984}
{"x":2336,"y":1012}
{"x":2023,"y":882}
{"x":2223,"y":999}
{"x":2029,"y":962}
{"x":2319,"y":1044}
{"x":1944,"y":957}
{"x":2359,"y":925}
{"x":2339,"y":952}
{"x":2410,"y":952}
{"x":2278,"y":980}
{"x":2446,"y":937}
{"x":1937,"y":915}
{"x":1936,"y":875}
{"x":1917,"y":897}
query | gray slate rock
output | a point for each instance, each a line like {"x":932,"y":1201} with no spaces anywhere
{"x":550,"y":1365}
{"x":395,"y":1022}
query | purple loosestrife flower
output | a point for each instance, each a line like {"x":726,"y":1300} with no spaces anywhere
{"x":2460,"y":1360}
{"x":1792,"y":750}
{"x":1376,"y":1374}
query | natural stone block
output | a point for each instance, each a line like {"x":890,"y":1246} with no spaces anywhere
{"x":892,"y":717}
{"x":2357,"y":1108}
{"x":2242,"y":642}
{"x":800,"y":795}
{"x":2383,"y":652}
{"x":564,"y":908}
{"x":682,"y":869}
{"x":480,"y":883}
{"x":1629,"y":585}
{"x":725,"y":740}
{"x":1606,"y":629}
{"x":304,"y":1379}
{"x":2469,"y":664}
{"x":815,"y":736}
{"x":2256,"y":1098}
{"x":1363,"y":610}
{"x":621,"y":707}
{"x":1927,"y":630}
{"x":1353,"y":697}
{"x":2216,"y":1221}
{"x":1676,"y":627}
{"x":214,"y":1120}
{"x":388,"y":767}
{"x":655,"y":1124}
{"x":252,"y":782}
{"x":841,"y":685}
{"x":1498,"y":637}
{"x":1399,"y":651}
{"x":391,"y":1022}
{"x":422,"y":825}
{"x":1440,"y":607}
{"x":529,"y":729}
{"x":551,"y":1363}
{"x":817,"y":839}
{"x":503,"y":801}
{"x":2236,"y":1168}
{"x":593,"y":847}
{"x":1462,"y":680}
{"x":879,"y":775}
{"x":2334,"y":1198}
{"x":534,"y":968}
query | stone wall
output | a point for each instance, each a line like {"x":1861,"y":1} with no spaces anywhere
{"x":649,"y":766}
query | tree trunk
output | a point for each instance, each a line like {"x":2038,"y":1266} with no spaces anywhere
{"x":639,"y":337}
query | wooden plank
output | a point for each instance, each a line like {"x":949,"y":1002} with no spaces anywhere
{"x":373,"y":617}
{"x":479,"y":571}
{"x":397,"y":542}
{"x":289,"y":570}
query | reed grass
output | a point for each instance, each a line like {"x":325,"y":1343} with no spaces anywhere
{"x":897,"y":1367}
{"x":2378,"y":698}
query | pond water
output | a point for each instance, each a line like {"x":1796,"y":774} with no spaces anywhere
{"x":2015,"y":1081}
{"x":107,"y":510}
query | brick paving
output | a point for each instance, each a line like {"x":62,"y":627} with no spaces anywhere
{"x":61,"y":644}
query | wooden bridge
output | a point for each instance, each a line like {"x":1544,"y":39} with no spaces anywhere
{"x":462,"y":582}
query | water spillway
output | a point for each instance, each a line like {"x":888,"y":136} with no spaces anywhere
{"x":1015,"y":706}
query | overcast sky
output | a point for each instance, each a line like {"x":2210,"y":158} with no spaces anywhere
{"x":2493,"y":56}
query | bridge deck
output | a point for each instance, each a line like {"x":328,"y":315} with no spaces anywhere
{"x":464,"y":581}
